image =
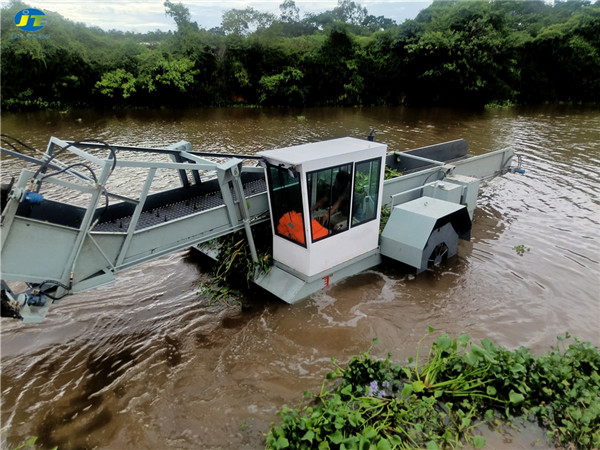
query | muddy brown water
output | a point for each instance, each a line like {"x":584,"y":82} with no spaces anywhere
{"x":147,"y":363}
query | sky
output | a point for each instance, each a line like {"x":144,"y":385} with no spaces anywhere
{"x":149,"y":15}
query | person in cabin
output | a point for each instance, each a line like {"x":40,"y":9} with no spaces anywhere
{"x":336,"y":204}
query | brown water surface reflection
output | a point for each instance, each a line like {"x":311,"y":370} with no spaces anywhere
{"x":147,"y":363}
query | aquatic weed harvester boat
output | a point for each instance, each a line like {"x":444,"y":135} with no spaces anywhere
{"x":324,"y":201}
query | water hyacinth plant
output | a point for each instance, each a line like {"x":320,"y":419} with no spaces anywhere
{"x":439,"y":403}
{"x":235,"y":269}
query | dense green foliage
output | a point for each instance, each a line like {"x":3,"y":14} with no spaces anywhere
{"x":454,"y":52}
{"x":376,"y":404}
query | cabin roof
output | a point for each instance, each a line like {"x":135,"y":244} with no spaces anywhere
{"x":303,"y":153}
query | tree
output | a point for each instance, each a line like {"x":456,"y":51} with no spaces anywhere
{"x":181,"y":16}
{"x":290,"y":13}
{"x":380,"y":23}
{"x":117,"y":83}
{"x":459,"y":52}
{"x":562,"y":62}
{"x":245,"y":21}
{"x":350,"y":12}
{"x":284,"y":88}
{"x":332,"y":71}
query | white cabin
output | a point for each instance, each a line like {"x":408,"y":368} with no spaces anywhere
{"x":338,"y":184}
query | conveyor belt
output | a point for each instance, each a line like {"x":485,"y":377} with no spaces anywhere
{"x":176,"y":210}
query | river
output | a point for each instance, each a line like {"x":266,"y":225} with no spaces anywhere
{"x":147,"y":363}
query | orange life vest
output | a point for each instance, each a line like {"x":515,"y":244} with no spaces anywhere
{"x":291,"y":225}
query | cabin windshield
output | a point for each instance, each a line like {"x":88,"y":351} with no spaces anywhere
{"x":329,"y":193}
{"x":341,"y":198}
{"x":286,"y":203}
{"x":366,"y":191}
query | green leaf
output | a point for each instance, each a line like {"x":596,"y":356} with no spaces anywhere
{"x":347,"y":390}
{"x":282,"y":443}
{"x":478,"y":441}
{"x":444,"y":342}
{"x":478,"y":351}
{"x":463,"y":340}
{"x":324,"y":445}
{"x":470,"y":358}
{"x":354,"y":418}
{"x":384,"y":444}
{"x":431,"y":329}
{"x":396,"y":441}
{"x":517,"y":368}
{"x":31,"y":441}
{"x":308,"y":436}
{"x":418,"y":386}
{"x":336,"y":437}
{"x":369,"y":432}
{"x":431,"y":445}
{"x":488,"y":345}
{"x":407,"y":390}
{"x":575,"y":413}
{"x":515,"y":397}
{"x":491,"y":390}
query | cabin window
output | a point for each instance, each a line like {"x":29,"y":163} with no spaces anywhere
{"x":329,"y":193}
{"x":286,"y":203}
{"x":366,"y":191}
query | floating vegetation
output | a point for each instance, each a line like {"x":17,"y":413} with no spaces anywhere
{"x":521,"y":249}
{"x":439,"y":403}
{"x":235,"y":268}
{"x":28,"y":444}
